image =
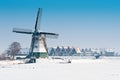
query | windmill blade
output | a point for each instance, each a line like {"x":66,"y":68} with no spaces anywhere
{"x":24,"y":31}
{"x":37,"y":24}
{"x":32,"y":46}
{"x":49,"y":35}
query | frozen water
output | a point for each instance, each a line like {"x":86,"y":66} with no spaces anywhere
{"x":80,"y":69}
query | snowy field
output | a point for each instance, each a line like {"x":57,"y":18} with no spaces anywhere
{"x":48,"y":69}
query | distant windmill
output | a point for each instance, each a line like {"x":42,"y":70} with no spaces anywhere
{"x":38,"y":46}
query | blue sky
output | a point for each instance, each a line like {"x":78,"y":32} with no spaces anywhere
{"x":80,"y":23}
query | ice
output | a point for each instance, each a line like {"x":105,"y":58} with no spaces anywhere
{"x":48,"y":69}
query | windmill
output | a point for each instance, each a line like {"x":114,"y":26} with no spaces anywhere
{"x":38,"y":48}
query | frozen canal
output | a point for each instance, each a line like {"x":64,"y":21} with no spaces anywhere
{"x":82,"y":69}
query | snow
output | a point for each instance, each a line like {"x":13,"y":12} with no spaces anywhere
{"x":48,"y":69}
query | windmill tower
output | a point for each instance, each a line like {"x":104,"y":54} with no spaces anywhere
{"x":38,"y":46}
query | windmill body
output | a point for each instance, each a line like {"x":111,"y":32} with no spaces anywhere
{"x":38,"y":48}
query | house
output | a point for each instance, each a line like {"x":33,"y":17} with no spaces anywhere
{"x":22,"y":53}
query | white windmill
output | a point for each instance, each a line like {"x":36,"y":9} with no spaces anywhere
{"x":38,"y":46}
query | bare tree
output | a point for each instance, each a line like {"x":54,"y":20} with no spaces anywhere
{"x":4,"y":55}
{"x":14,"y":48}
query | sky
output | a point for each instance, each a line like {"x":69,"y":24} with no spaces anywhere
{"x":79,"y":23}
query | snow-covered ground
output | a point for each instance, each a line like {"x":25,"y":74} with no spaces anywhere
{"x":48,"y":69}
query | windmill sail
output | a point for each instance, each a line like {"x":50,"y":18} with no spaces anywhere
{"x":24,"y":31}
{"x":49,"y":35}
{"x":32,"y":46}
{"x":37,"y":24}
